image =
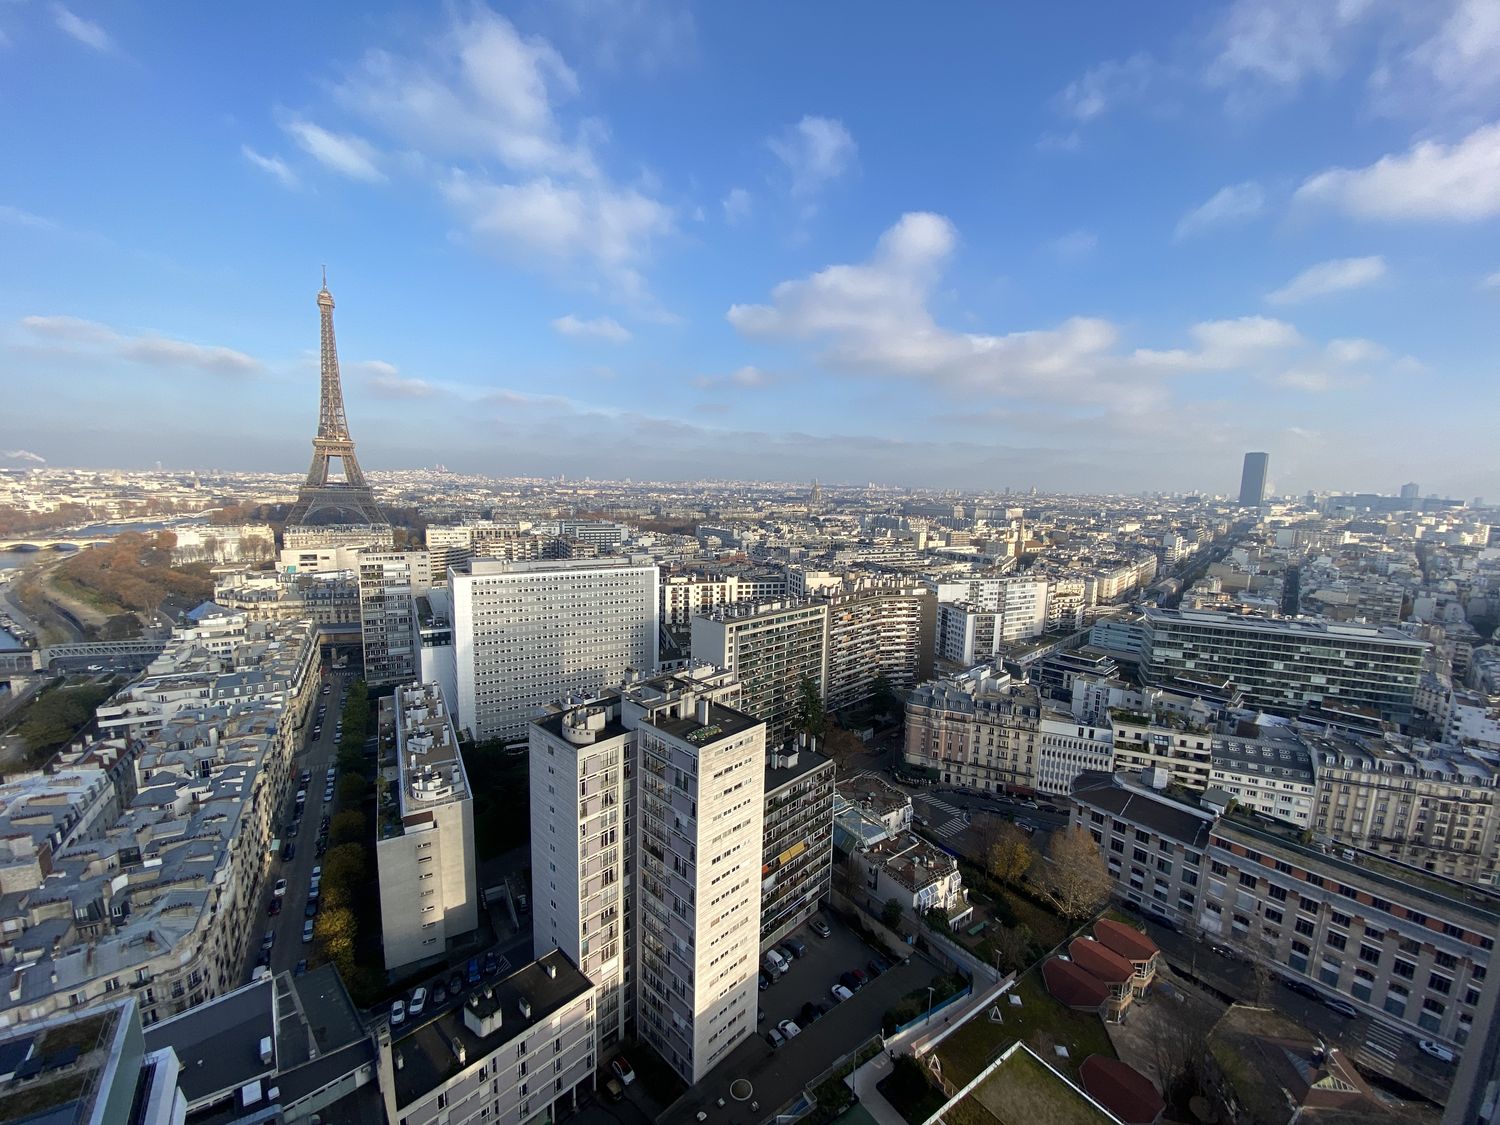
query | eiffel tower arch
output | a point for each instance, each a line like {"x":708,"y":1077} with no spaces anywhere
{"x":335,"y":491}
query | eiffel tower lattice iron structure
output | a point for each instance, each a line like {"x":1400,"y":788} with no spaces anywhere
{"x":323,"y":498}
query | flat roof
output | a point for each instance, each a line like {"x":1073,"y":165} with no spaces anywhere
{"x":723,"y":722}
{"x":218,"y":1043}
{"x":1300,"y":626}
{"x":808,"y":761}
{"x":427,"y":1050}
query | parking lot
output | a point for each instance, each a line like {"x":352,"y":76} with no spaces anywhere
{"x":779,"y":1075}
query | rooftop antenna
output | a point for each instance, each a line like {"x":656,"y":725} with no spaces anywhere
{"x":325,"y":276}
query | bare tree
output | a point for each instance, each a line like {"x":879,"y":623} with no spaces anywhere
{"x":1013,"y":944}
{"x":1177,"y":1046}
{"x":1074,"y":876}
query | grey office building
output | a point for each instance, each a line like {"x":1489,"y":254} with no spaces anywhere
{"x":1253,"y":479}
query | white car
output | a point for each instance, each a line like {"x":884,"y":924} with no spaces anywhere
{"x":418,"y":1002}
{"x":317,"y":872}
{"x":279,"y":890}
{"x":789,"y":1029}
{"x":840,"y":993}
{"x":398,"y":1013}
{"x":1436,"y":1050}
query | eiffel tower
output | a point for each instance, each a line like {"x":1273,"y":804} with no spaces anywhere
{"x":330,"y":496}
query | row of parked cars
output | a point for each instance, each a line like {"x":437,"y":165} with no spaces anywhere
{"x":844,"y":988}
{"x":1341,"y":1006}
{"x":435,"y":996}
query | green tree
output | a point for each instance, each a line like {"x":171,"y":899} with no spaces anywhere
{"x":937,"y":918}
{"x":345,"y":865}
{"x":353,"y":788}
{"x":811,"y":715}
{"x":348,"y":827}
{"x":890,"y":913}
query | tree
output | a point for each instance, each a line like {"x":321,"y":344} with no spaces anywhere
{"x":353,"y":789}
{"x":811,"y":715}
{"x":348,"y":827}
{"x":1075,"y":877}
{"x":839,"y":745}
{"x":890,"y":913}
{"x":937,"y":918}
{"x":1013,"y":943}
{"x":1008,"y":853}
{"x":882,"y":695}
{"x":336,"y":930}
{"x":344,"y":865}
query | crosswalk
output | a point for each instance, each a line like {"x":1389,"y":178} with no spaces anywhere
{"x":950,"y":829}
{"x":1384,"y":1040}
{"x":952,"y":810}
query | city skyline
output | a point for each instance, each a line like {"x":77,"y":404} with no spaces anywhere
{"x":670,"y":243}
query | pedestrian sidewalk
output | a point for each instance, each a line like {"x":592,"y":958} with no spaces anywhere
{"x":863,"y":1083}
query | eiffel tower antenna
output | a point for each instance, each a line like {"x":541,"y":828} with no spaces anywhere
{"x":324,"y":498}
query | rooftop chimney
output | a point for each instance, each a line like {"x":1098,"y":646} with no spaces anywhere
{"x":703,"y":712}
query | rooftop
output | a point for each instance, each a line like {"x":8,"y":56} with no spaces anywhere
{"x":430,"y":768}
{"x":428,"y":1051}
{"x":789,"y":765}
{"x":1254,"y":623}
{"x":53,"y":1070}
{"x":722,"y":722}
{"x":1126,"y":798}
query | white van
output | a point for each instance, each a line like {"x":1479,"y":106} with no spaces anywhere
{"x":774,"y":962}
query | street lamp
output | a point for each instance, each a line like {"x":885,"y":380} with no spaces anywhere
{"x":929,"y":1004}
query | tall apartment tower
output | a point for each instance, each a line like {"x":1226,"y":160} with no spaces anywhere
{"x":424,"y":840}
{"x":883,"y":631}
{"x":771,"y":648}
{"x":614,"y":891}
{"x":528,"y":633}
{"x":1253,"y":480}
{"x":389,"y":582}
{"x":700,"y":784}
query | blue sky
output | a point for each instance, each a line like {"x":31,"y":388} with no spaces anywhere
{"x":1077,"y":247}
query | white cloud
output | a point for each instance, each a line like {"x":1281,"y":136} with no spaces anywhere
{"x":386,"y":382}
{"x":15,"y":216}
{"x":1459,"y":182}
{"x":75,"y":334}
{"x":342,"y":152}
{"x":737,"y":205}
{"x":1236,"y":203}
{"x":23,"y":455}
{"x":1279,"y":44}
{"x":272,"y":165}
{"x":815,"y":151}
{"x":1455,"y":68}
{"x":1355,"y":351}
{"x":601,"y":328}
{"x":592,"y":224}
{"x":1104,"y":87}
{"x":475,"y":111}
{"x":1074,"y":245}
{"x":87,"y":32}
{"x":1491,"y":282}
{"x":639,"y":35}
{"x":747,"y":378}
{"x":1223,"y":345}
{"x":1329,"y":277}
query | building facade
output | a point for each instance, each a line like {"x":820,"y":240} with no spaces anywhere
{"x":424,"y":846}
{"x":797,"y":847}
{"x":528,"y":633}
{"x":979,"y":731}
{"x":389,"y":583}
{"x":771,"y":648}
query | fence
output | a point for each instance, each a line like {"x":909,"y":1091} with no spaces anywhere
{"x":935,"y":1010}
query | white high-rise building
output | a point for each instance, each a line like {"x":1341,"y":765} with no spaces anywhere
{"x":389,"y":583}
{"x":424,"y":841}
{"x":701,"y":784}
{"x":528,"y":633}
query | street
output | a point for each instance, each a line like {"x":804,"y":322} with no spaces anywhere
{"x":317,"y":756}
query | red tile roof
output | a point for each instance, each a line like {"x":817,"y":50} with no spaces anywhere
{"x":1121,"y":1089}
{"x":1100,"y":960}
{"x":1125,"y":940}
{"x":1073,"y":986}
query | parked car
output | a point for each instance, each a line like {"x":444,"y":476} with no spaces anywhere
{"x":808,"y":1014}
{"x":288,"y":852}
{"x":839,"y":992}
{"x":274,"y":908}
{"x":614,"y":1089}
{"x":268,"y":941}
{"x":311,"y":909}
{"x":789,"y":1029}
{"x":774,"y":1037}
{"x":398,"y":1010}
{"x":1339,"y":1005}
{"x":622,"y":1069}
{"x":773,"y":962}
{"x":473,"y":970}
{"x":491,"y":964}
{"x":787,"y":954}
{"x":301,"y":968}
{"x":307,"y":931}
{"x":317,"y":872}
{"x":860,"y":980}
{"x":1301,"y":987}
{"x":763,"y":980}
{"x":455,"y":984}
{"x":820,"y":927}
{"x":874,"y":967}
{"x":306,"y":776}
{"x":418,"y":1003}
{"x":1436,"y":1050}
{"x":796,"y":945}
{"x":280,"y":888}
{"x":439,"y":994}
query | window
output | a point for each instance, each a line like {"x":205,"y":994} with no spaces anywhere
{"x":1404,"y":969}
{"x":1369,"y":954}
